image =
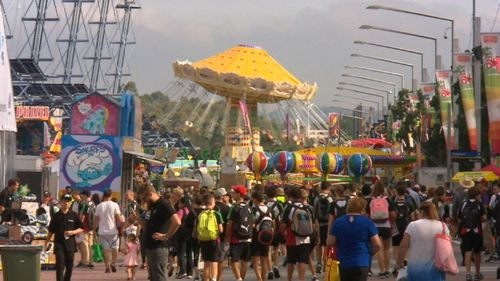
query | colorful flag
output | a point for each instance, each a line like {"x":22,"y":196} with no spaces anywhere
{"x":7,"y":113}
{"x":490,"y":43}
{"x":428,"y":93}
{"x":463,"y":68}
{"x":246,"y":117}
{"x":333,"y":125}
{"x":443,"y":79}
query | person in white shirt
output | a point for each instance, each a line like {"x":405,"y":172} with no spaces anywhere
{"x":107,"y":218}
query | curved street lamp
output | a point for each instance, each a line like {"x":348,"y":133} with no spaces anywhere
{"x":452,"y":22}
{"x":408,"y":34}
{"x":371,"y":79}
{"x":364,"y":93}
{"x":400,"y":75}
{"x":421,"y":54}
{"x":368,"y":88}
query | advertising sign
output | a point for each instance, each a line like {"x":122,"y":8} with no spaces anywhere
{"x":95,"y":115}
{"x":463,"y":69}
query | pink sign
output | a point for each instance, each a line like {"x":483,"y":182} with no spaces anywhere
{"x":95,"y":115}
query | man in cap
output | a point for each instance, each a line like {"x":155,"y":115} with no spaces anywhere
{"x":222,"y":205}
{"x":64,"y":225}
{"x":239,"y":232}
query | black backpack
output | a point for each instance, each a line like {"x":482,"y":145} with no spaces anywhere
{"x":470,"y":214}
{"x":244,"y":221}
{"x":340,"y":207}
{"x":321,"y":208}
{"x":403,"y":214}
{"x":264,"y":227}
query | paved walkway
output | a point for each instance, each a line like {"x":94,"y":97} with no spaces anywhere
{"x":97,"y":274}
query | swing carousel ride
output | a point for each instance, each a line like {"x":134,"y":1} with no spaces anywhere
{"x":249,"y":80}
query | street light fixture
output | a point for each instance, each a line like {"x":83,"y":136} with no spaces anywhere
{"x":368,"y":88}
{"x":452,"y":22}
{"x":371,"y":79}
{"x":408,"y":34}
{"x":421,"y":54}
{"x":365,"y":93}
{"x":400,"y":75}
{"x":390,"y":61}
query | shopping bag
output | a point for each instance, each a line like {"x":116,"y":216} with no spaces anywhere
{"x":332,"y":272}
{"x":402,"y":274}
{"x":97,"y":252}
{"x":443,"y":255}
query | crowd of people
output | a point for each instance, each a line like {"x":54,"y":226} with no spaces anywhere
{"x":170,"y":233}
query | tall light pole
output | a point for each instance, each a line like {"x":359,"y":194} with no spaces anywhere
{"x":400,"y":75}
{"x":372,"y":80}
{"x":421,"y":54}
{"x":365,"y":93}
{"x":452,"y":22}
{"x":390,"y":61}
{"x":408,"y":34}
{"x":368,"y":88}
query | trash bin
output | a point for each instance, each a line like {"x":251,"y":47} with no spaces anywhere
{"x":21,"y":262}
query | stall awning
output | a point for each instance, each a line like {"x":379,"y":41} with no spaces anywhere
{"x":475,"y":176}
{"x":144,"y":156}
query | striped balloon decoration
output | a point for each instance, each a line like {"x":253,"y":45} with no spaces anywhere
{"x":257,"y":163}
{"x":298,"y":162}
{"x":269,"y":167}
{"x":359,"y":164}
{"x":283,"y":162}
{"x":326,"y":163}
{"x":340,"y":163}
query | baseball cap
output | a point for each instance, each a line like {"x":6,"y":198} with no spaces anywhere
{"x":66,"y":197}
{"x":219,"y":192}
{"x":240,"y":189}
{"x":47,"y":194}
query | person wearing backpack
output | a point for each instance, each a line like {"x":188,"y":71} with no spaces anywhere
{"x":298,"y":222}
{"x":495,"y":216}
{"x":470,"y":216}
{"x":404,"y":215}
{"x":263,"y":235}
{"x":239,"y":232}
{"x":277,"y":210}
{"x":322,"y":207}
{"x":209,"y":227}
{"x":382,"y":212}
{"x":223,"y":206}
{"x":183,"y":247}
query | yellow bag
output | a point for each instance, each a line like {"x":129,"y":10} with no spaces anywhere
{"x":332,"y":272}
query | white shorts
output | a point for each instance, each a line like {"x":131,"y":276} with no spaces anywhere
{"x":109,"y":241}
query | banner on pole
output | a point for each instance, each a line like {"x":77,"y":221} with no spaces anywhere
{"x":7,"y":112}
{"x":333,"y":125}
{"x":490,"y":43}
{"x":443,"y":78}
{"x":428,"y":93}
{"x":463,"y":69}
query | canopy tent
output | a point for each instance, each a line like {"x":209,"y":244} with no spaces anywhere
{"x":492,"y":168}
{"x":475,"y":176}
{"x":372,"y":142}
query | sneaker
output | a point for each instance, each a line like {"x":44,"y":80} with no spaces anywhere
{"x":276,"y":272}
{"x":181,"y":276}
{"x":189,"y":277}
{"x":91,"y":266}
{"x":80,"y":265}
{"x":143,"y":266}
{"x":319,"y":268}
{"x":270,"y":276}
{"x":468,"y":277}
{"x":113,"y":267}
{"x":478,"y":277}
{"x":383,"y":275}
{"x":370,"y":273}
{"x":315,"y":278}
{"x":395,"y":272}
{"x":492,"y":258}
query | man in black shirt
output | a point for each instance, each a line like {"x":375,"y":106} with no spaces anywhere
{"x":64,"y":225}
{"x":161,"y":224}
{"x":6,"y":198}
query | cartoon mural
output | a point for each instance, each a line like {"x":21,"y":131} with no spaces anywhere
{"x":95,"y":115}
{"x":91,"y":162}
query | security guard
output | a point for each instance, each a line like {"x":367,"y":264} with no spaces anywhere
{"x":64,"y":225}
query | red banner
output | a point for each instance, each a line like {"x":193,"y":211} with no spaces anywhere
{"x":41,"y":113}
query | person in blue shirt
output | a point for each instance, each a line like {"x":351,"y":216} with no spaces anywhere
{"x":356,"y":239}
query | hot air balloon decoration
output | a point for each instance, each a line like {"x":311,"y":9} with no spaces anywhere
{"x":298,"y":162}
{"x":257,"y":163}
{"x":359,"y":164}
{"x":283,"y":162}
{"x":329,"y":163}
